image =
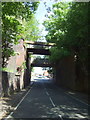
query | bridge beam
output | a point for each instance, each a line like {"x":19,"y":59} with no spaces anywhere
{"x":39,"y":51}
{"x":41,"y":65}
{"x":39,"y":43}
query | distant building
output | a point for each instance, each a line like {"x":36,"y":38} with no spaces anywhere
{"x":46,"y":73}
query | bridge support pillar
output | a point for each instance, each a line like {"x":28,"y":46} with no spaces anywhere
{"x":27,"y":71}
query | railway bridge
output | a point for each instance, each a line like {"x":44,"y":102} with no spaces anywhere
{"x":36,"y":48}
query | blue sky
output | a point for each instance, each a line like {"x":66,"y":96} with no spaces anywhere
{"x":40,"y":14}
{"x":41,"y":11}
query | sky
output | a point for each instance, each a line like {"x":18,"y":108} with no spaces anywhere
{"x":41,"y":11}
{"x":40,"y":16}
{"x":38,"y":70}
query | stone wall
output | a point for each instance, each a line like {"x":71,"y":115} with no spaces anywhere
{"x":7,"y":83}
{"x":17,"y":61}
{"x":13,"y":79}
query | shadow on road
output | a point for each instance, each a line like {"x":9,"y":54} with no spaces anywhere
{"x":49,"y":102}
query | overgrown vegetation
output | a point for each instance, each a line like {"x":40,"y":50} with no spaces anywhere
{"x":17,"y":23}
{"x":68,"y":28}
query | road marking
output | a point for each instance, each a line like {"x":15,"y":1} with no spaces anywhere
{"x":77,"y":99}
{"x":47,"y":93}
{"x":50,"y":98}
{"x":9,"y":116}
{"x":60,"y":117}
{"x":52,"y":101}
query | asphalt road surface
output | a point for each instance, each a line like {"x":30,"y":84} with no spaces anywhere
{"x":47,"y":101}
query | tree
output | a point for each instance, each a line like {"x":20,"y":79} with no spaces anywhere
{"x":56,"y":27}
{"x":68,"y":28}
{"x":77,"y":33}
{"x":13,"y":13}
{"x":30,"y":30}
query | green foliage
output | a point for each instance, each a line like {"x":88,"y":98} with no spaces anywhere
{"x":58,"y":53}
{"x":30,"y":30}
{"x":6,"y":69}
{"x":13,"y":15}
{"x":68,"y":28}
{"x":56,"y":26}
{"x":23,"y":67}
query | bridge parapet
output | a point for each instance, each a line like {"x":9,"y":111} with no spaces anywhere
{"x":44,"y":45}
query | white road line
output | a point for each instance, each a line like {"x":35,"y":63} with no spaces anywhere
{"x":49,"y":97}
{"x":77,"y":99}
{"x":47,"y":93}
{"x":9,"y":116}
{"x":52,"y":101}
{"x":60,"y":117}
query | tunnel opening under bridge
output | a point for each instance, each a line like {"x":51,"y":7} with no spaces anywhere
{"x":41,"y":74}
{"x":38,"y":50}
{"x":41,"y":68}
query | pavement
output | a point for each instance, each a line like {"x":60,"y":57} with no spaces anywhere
{"x":7,"y":104}
{"x":48,"y":101}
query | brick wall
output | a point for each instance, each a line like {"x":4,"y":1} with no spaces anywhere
{"x":66,"y":75}
{"x":14,"y":80}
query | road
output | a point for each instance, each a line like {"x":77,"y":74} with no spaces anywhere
{"x":46,"y":100}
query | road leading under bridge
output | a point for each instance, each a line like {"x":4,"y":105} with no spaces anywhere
{"x":46,"y":100}
{"x":35,"y":48}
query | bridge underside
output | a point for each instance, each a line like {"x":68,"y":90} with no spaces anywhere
{"x":38,"y":48}
{"x":41,"y":65}
{"x":39,"y":51}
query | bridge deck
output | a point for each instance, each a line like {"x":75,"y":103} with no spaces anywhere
{"x":40,"y":43}
{"x":39,"y":51}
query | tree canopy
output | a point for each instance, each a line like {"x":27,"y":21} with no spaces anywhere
{"x":14,"y":14}
{"x":68,"y":28}
{"x":30,"y":30}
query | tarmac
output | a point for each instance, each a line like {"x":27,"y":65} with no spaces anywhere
{"x":8,"y":104}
